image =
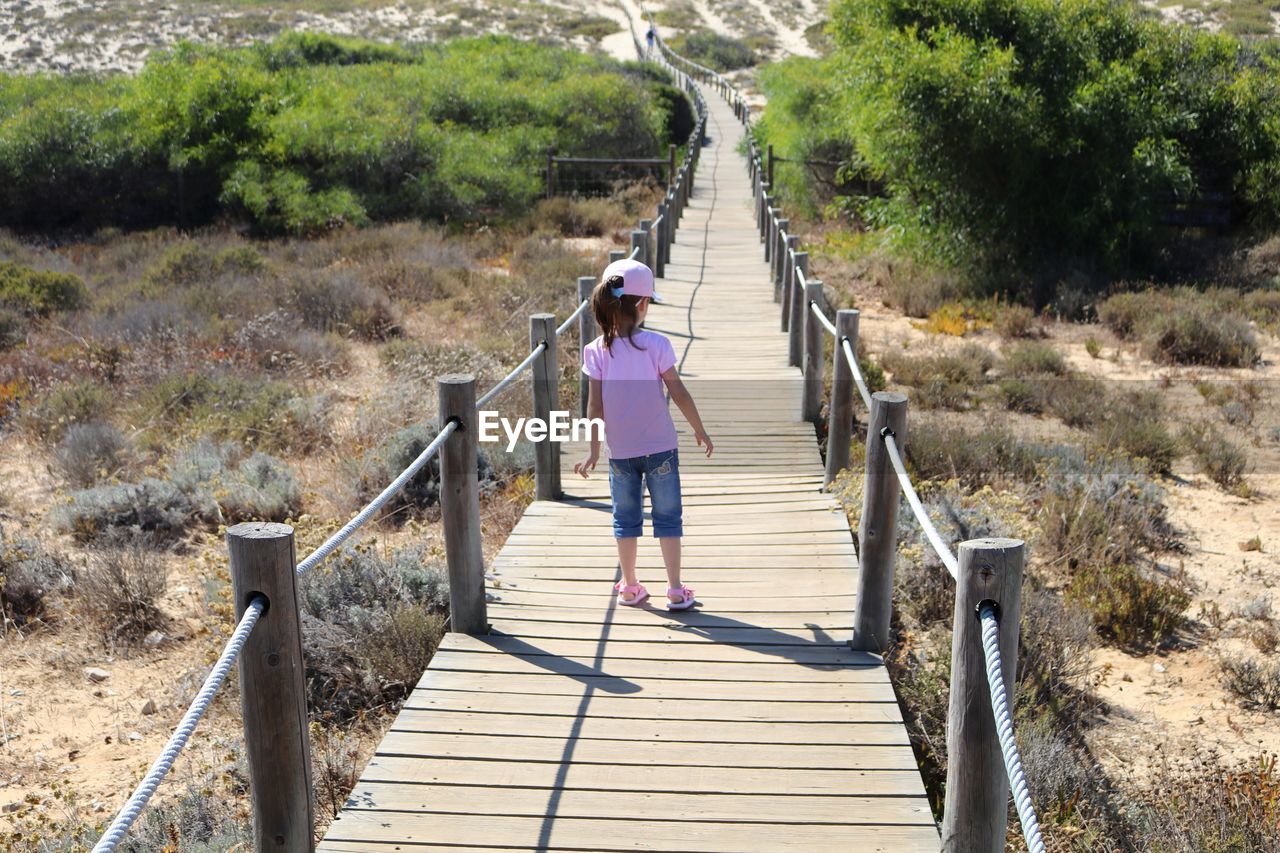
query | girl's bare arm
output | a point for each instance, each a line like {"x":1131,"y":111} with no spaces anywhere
{"x":595,"y":409}
{"x":684,"y":402}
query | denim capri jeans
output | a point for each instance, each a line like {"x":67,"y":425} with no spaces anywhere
{"x":661,"y":473}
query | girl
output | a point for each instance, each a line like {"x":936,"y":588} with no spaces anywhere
{"x":627,"y":367}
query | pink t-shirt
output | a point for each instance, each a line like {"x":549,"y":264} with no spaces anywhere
{"x":637,"y":421}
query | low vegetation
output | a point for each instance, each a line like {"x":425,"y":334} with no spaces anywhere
{"x":307,"y":133}
{"x":919,"y":99}
{"x":715,"y":50}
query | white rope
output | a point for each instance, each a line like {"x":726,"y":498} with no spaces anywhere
{"x":822,"y":318}
{"x":863,"y":390}
{"x":333,"y":542}
{"x":1004,"y":729}
{"x":633,"y":254}
{"x":653,"y":226}
{"x":147,"y":787}
{"x":564,"y":327}
{"x":510,"y":377}
{"x":944,"y":553}
{"x":800,"y":276}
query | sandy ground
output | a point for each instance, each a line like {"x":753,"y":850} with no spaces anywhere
{"x":116,"y":35}
{"x":57,"y":724}
{"x":1171,"y":702}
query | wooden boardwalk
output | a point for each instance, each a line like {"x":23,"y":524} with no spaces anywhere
{"x":747,"y":724}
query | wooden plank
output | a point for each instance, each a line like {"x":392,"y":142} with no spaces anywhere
{"x":588,"y":751}
{"x":656,"y":688}
{"x":502,"y":644}
{"x":658,"y":732}
{"x":764,"y":638}
{"x":413,"y":831}
{"x":626,"y":668}
{"x":643,"y":805}
{"x":601,"y":706}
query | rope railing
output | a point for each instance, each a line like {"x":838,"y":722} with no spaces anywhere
{"x":664,"y":226}
{"x":846,"y":346}
{"x":793,"y":282}
{"x":1004,"y":728}
{"x":195,"y":712}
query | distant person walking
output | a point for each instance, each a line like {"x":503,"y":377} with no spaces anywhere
{"x":649,"y":37}
{"x":628,"y":367}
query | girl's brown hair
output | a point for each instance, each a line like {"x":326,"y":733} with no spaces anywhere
{"x":617,"y":316}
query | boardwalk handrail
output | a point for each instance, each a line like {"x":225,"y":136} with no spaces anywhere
{"x":970,"y":822}
{"x":460,"y":524}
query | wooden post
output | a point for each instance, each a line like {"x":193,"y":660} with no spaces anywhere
{"x":546,"y":399}
{"x":877,"y":539}
{"x":660,"y":241}
{"x":586,"y":334}
{"x":460,"y":505}
{"x":784,"y":284}
{"x":779,"y":263}
{"x":273,"y":697}
{"x":977,"y":800}
{"x":646,"y":245}
{"x":637,"y":242}
{"x":795,"y":304}
{"x":551,"y":171}
{"x":769,"y":169}
{"x":671,"y":165}
{"x":670,"y":236}
{"x":762,"y":210}
{"x":616,"y":255}
{"x":811,"y":401}
{"x":840,"y":414}
{"x":771,"y":237}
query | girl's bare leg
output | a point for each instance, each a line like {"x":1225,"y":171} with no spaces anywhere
{"x":671,"y":558}
{"x":627,"y":560}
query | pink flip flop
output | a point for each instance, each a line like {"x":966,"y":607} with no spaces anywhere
{"x":637,"y":592}
{"x":686,"y":598}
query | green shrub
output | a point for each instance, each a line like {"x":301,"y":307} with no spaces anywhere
{"x":64,"y":405}
{"x":1080,"y":402}
{"x":1139,"y":434}
{"x":121,"y":587}
{"x":342,"y":303}
{"x":90,"y":452}
{"x":937,"y":450}
{"x":1128,"y":605}
{"x":1022,"y":395}
{"x":1256,"y":685}
{"x":1210,"y":806}
{"x":40,"y":293}
{"x":1034,"y":358}
{"x":1015,"y":321}
{"x":372,"y":622}
{"x":942,"y":381}
{"x":253,"y":487}
{"x":13,"y":328}
{"x":1100,"y":510}
{"x":312,"y":132}
{"x":204,"y":483}
{"x":153,"y":506}
{"x":1184,"y":326}
{"x":30,"y":577}
{"x":714,"y":50}
{"x":802,"y":96}
{"x":268,"y":415}
{"x":1218,"y":457}
{"x":383,"y":464}
{"x":951,"y":101}
{"x":201,"y":820}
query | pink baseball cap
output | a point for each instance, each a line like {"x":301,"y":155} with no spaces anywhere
{"x":637,"y":279}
